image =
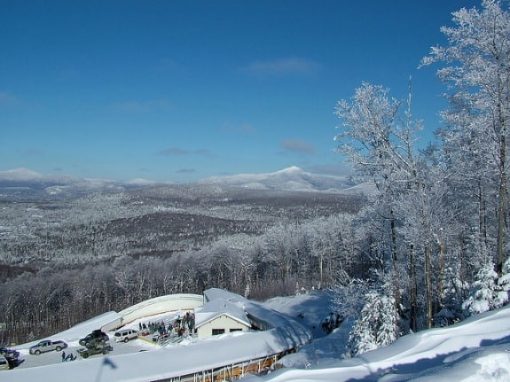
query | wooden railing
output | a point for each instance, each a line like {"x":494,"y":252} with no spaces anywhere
{"x":230,"y":372}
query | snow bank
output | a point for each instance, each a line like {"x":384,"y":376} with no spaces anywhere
{"x":477,"y":349}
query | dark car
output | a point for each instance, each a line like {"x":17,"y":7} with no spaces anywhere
{"x":96,"y":342}
{"x":94,"y":337}
{"x":11,"y":356}
{"x":9,"y":353}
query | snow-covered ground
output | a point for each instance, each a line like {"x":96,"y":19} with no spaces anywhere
{"x":477,"y":349}
{"x":142,"y":361}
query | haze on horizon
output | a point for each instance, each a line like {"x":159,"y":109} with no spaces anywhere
{"x":180,"y":91}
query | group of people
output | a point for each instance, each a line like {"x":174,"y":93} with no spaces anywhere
{"x":68,"y":357}
{"x":179,"y":326}
{"x":186,"y":323}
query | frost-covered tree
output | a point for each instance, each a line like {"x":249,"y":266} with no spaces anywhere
{"x":378,"y":134}
{"x":349,"y":298}
{"x":377,"y":325}
{"x":367,"y":137}
{"x":452,"y":295}
{"x":477,"y":69}
{"x":503,"y":294}
{"x":484,"y":291}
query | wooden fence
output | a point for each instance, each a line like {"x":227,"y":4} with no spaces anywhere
{"x":230,"y":372}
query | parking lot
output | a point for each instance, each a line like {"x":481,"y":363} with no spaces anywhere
{"x":54,"y":357}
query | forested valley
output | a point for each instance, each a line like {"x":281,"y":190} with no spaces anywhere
{"x":69,"y":257}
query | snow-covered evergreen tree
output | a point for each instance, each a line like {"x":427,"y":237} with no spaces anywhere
{"x":377,"y":325}
{"x":502,"y":296}
{"x":484,"y":291}
{"x":451,"y":298}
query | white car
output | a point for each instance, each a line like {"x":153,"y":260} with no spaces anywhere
{"x":125,"y":335}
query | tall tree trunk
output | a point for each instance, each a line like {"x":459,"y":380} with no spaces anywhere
{"x":502,"y":205}
{"x":413,"y":289}
{"x":428,"y":284}
{"x":442,"y":254}
{"x":394,"y":260}
{"x":321,"y":260}
{"x":502,"y":128}
{"x":482,"y":218}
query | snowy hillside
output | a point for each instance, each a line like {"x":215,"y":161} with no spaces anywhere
{"x":289,"y":179}
{"x":477,"y":349}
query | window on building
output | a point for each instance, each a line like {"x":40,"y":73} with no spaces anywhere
{"x":236,"y":330}
{"x":215,"y":332}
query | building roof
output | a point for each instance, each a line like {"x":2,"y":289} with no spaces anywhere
{"x":215,"y":308}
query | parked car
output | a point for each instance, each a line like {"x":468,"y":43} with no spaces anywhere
{"x":46,"y":346}
{"x":12,"y":357}
{"x":93,"y":337}
{"x":96,"y":342}
{"x":125,"y":335}
{"x":4,"y":364}
{"x":9,"y":353}
{"x":98,"y":347}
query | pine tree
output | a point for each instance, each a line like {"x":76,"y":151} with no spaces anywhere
{"x":451,"y":298}
{"x":503,"y":292}
{"x":484,"y":291}
{"x":377,"y":325}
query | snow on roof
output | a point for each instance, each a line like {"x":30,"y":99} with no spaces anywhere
{"x":220,"y":306}
{"x":182,"y":300}
{"x":216,"y":293}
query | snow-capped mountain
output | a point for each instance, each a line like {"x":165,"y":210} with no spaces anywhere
{"x":289,"y":179}
{"x":20,"y":175}
{"x":27,"y":183}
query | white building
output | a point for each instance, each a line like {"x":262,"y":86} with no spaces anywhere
{"x":219,"y":317}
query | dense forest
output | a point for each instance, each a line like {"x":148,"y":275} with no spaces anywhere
{"x":71,"y":258}
{"x":428,"y":247}
{"x":442,"y":212}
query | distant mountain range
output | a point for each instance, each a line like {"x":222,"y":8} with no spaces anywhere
{"x":25,"y":182}
{"x":289,"y":179}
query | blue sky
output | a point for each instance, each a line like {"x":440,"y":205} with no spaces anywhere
{"x":181,"y":90}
